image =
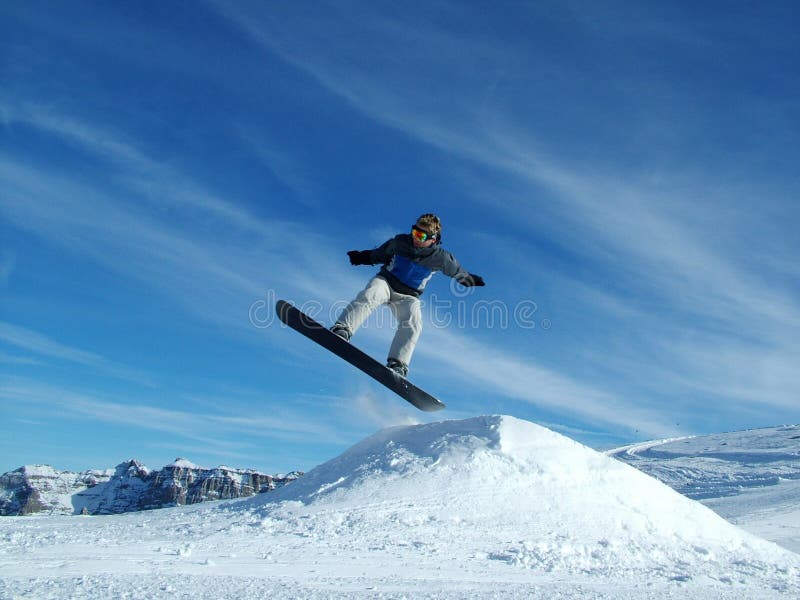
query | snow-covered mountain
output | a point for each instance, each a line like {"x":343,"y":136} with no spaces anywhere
{"x":41,"y":488}
{"x":485,"y":507}
{"x":752,"y":478}
{"x":130,"y":487}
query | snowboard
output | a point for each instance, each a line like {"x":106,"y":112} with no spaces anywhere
{"x":301,"y":322}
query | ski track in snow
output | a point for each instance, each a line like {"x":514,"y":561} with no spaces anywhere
{"x":491,"y":507}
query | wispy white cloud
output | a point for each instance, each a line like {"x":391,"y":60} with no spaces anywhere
{"x":223,"y":450}
{"x":288,"y":171}
{"x":41,"y":344}
{"x":654,"y":232}
{"x":214,"y":430}
{"x":632,"y":223}
{"x":45,"y":346}
{"x":14,"y":359}
{"x":159,"y":225}
{"x":518,"y":377}
{"x":156,"y":182}
{"x":131,"y":227}
{"x":134,"y":229}
{"x":284,"y":425}
{"x":640,"y":219}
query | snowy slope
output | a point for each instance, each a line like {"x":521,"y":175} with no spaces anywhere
{"x":486,"y":507}
{"x":751,"y":478}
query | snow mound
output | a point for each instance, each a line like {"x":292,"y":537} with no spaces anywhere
{"x":504,"y":490}
{"x":491,"y":507}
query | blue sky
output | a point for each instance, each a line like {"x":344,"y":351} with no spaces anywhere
{"x":622,"y":174}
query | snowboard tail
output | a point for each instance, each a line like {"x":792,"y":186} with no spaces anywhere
{"x":301,"y":322}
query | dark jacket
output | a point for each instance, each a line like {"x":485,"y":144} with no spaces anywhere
{"x":408,"y":269}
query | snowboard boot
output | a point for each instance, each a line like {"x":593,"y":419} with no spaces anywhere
{"x":342,"y":331}
{"x":398,"y":366}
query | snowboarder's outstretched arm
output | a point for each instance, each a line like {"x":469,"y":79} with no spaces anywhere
{"x":441,"y":260}
{"x":380,"y":255}
{"x":452,"y":268}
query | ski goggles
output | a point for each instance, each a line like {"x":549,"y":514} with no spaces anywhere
{"x":421,"y":235}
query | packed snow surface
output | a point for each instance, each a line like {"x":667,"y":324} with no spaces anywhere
{"x":487,"y":507}
{"x":751,"y":478}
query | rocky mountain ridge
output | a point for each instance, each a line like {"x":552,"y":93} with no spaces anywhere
{"x":130,"y":487}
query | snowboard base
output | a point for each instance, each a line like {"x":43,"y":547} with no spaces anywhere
{"x":301,"y":322}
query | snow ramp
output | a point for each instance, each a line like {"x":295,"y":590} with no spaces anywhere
{"x":513,"y":497}
{"x":490,"y":507}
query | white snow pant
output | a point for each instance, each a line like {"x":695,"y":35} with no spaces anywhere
{"x":406,"y":310}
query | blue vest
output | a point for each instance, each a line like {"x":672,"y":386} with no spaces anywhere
{"x":410,"y":273}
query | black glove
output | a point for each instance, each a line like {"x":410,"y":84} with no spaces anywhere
{"x":360,"y":257}
{"x":472,"y":280}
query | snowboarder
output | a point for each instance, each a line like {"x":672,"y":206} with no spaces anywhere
{"x":409,"y":261}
